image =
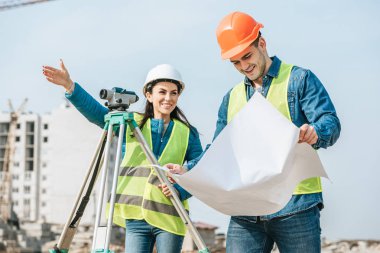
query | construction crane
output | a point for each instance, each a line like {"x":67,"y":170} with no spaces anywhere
{"x":6,"y":211}
{"x":8,"y":4}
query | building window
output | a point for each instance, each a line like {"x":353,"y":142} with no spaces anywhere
{"x":15,"y":203}
{"x":46,"y":139}
{"x":29,"y":153}
{"x":29,"y":166}
{"x":43,"y":178}
{"x":16,"y":164}
{"x":43,"y":190}
{"x":17,"y":138}
{"x":46,"y":126}
{"x":3,"y":140}
{"x":15,"y":190}
{"x":28,"y":176}
{"x":43,"y":203}
{"x":18,"y":126}
{"x":27,"y":202}
{"x":27,"y":189}
{"x":4,"y":127}
{"x":30,"y":127}
{"x":44,"y":164}
{"x":30,"y":140}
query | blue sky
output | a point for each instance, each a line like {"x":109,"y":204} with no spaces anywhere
{"x":115,"y":43}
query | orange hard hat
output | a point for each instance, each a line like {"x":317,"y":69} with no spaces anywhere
{"x":236,"y":32}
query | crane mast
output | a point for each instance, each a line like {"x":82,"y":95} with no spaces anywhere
{"x":9,"y":4}
{"x":6,"y":173}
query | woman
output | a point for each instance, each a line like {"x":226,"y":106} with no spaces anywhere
{"x":142,"y":205}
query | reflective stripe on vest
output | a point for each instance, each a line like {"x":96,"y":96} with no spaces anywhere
{"x":278,"y":97}
{"x":137,"y":195}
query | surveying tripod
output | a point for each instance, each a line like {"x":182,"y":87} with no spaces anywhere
{"x":117,"y":118}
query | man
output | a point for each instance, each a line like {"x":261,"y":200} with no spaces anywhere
{"x":298,"y":95}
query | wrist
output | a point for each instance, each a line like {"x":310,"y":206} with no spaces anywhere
{"x":184,"y":169}
{"x":70,"y":87}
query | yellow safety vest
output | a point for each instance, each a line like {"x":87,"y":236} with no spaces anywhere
{"x":137,"y":195}
{"x":278,"y":97}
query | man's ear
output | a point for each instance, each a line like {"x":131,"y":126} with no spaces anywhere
{"x":262,"y":43}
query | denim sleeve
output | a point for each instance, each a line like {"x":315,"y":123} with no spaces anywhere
{"x":87,"y":105}
{"x":221,"y":123}
{"x":319,"y":110}
{"x":194,"y":150}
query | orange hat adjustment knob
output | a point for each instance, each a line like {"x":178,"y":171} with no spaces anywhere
{"x":236,"y":32}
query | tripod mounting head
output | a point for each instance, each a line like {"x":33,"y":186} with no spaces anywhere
{"x":118,"y":98}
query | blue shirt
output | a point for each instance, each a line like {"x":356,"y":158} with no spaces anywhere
{"x":95,"y":112}
{"x":309,"y":103}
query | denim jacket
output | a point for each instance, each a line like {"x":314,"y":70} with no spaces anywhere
{"x":308,"y":103}
{"x":95,"y":112}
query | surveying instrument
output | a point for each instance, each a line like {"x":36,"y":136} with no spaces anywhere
{"x":118,"y":101}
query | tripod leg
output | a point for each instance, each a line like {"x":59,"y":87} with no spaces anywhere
{"x":69,"y":230}
{"x":102,"y":185}
{"x":114,"y":184}
{"x":174,"y":198}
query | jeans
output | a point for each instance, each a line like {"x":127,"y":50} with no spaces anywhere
{"x":295,"y":233}
{"x":140,"y":238}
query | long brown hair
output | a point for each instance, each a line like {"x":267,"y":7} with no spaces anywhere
{"x":175,"y":114}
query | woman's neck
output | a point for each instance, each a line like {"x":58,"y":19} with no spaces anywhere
{"x":165,"y":118}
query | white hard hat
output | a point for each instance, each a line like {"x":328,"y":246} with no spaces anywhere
{"x":162,"y":73}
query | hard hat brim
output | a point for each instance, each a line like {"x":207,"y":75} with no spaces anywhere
{"x":236,"y":50}
{"x":178,"y":83}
